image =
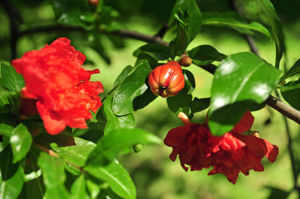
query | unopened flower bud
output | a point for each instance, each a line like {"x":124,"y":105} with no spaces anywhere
{"x":166,"y":80}
{"x":185,"y":60}
{"x":93,"y":2}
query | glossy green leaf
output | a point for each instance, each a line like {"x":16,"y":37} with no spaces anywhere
{"x":205,"y":54}
{"x":241,"y":80}
{"x":12,"y":187}
{"x":182,"y":101}
{"x":199,"y":104}
{"x":295,"y":70}
{"x":93,"y":188}
{"x":53,"y":176}
{"x":263,"y":11}
{"x":189,"y":22}
{"x":6,"y":130}
{"x":156,"y":51}
{"x":291,"y":93}
{"x":20,"y":141}
{"x":110,"y":145}
{"x":133,"y":86}
{"x":78,"y":190}
{"x":234,"y":21}
{"x":116,"y":176}
{"x":143,"y":100}
{"x":10,"y":78}
{"x":113,"y":121}
{"x":125,"y":72}
{"x":76,"y":154}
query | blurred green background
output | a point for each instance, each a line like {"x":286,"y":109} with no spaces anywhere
{"x":155,"y":175}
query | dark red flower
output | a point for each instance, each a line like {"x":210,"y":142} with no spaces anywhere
{"x":54,"y":77}
{"x":166,"y":80}
{"x":229,"y":154}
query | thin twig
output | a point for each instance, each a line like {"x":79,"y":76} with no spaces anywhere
{"x":120,"y":33}
{"x":162,"y":31}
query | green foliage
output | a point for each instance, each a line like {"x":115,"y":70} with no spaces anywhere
{"x":263,"y":11}
{"x":234,"y":21}
{"x":291,"y":93}
{"x":10,"y":79}
{"x":133,"y":86}
{"x":84,"y":163}
{"x":189,"y":22}
{"x":241,"y":80}
{"x":116,"y":176}
{"x":204,"y":55}
{"x":20,"y":141}
{"x":54,"y":176}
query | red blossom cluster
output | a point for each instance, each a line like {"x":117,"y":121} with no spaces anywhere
{"x":62,"y":89}
{"x":230,"y":154}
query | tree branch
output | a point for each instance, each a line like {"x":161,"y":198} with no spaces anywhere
{"x":120,"y":33}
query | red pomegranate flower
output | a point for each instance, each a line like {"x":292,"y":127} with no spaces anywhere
{"x":166,"y":80}
{"x":229,"y":154}
{"x":54,"y":77}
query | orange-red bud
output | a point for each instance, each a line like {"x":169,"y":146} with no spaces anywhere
{"x":94,"y":2}
{"x":166,"y":80}
{"x":185,"y":60}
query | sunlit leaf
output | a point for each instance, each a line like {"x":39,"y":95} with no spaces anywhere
{"x":243,"y":79}
{"x":20,"y":141}
{"x":53,"y":176}
{"x":114,"y":121}
{"x":116,"y":176}
{"x":133,"y":86}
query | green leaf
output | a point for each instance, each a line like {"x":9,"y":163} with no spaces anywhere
{"x":53,"y":176}
{"x":234,"y":21}
{"x":114,"y":121}
{"x":94,"y":189}
{"x":241,"y":80}
{"x":20,"y":142}
{"x":78,"y":190}
{"x":10,"y":78}
{"x":277,"y":193}
{"x":118,"y":140}
{"x":6,"y":130}
{"x":205,"y":54}
{"x":156,"y":51}
{"x":293,"y":71}
{"x":133,"y":86}
{"x":200,"y":104}
{"x":7,"y":168}
{"x":143,"y":100}
{"x":6,"y":96}
{"x":108,"y":194}
{"x":125,"y":72}
{"x":189,"y":22}
{"x":73,"y":12}
{"x":116,"y":176}
{"x":12,"y":187}
{"x":182,"y":101}
{"x":76,"y":154}
{"x":291,"y":93}
{"x":263,"y":11}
